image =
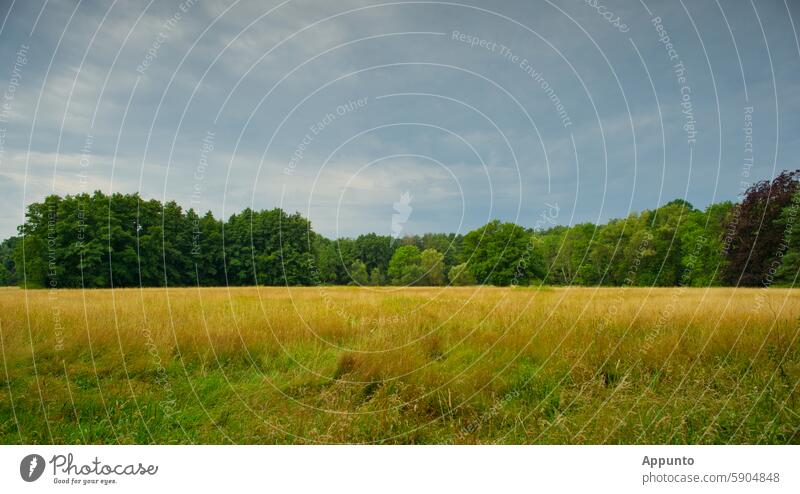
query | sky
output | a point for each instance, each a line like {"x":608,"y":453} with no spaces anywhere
{"x":398,"y":117}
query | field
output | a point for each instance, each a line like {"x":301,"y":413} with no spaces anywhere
{"x":411,"y":365}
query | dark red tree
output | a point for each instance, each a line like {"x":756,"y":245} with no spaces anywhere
{"x":756,"y":234}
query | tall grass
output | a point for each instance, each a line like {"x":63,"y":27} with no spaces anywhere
{"x":413,"y":365}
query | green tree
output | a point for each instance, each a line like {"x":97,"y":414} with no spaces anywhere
{"x":358,"y":273}
{"x":405,"y":267}
{"x":326,"y":259}
{"x":432,"y":264}
{"x":789,"y":223}
{"x":206,"y":250}
{"x":501,"y":254}
{"x":702,"y":250}
{"x":8,"y":270}
{"x":460,"y":275}
{"x":449,"y":244}
{"x":565,"y":253}
{"x":376,"y":277}
{"x":374,"y":250}
{"x":345,"y":254}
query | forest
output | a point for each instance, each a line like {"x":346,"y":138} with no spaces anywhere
{"x":122,"y":240}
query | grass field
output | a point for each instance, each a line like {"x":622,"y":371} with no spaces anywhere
{"x":412,"y":365}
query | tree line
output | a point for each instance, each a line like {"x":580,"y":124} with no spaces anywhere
{"x":97,"y":241}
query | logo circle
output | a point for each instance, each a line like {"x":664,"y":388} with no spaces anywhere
{"x":31,"y":468}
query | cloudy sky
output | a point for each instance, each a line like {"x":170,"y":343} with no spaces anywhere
{"x":478,"y":109}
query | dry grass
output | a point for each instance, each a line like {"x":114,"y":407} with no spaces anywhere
{"x":416,"y":365}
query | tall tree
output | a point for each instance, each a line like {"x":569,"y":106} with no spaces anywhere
{"x":374,"y":250}
{"x":460,"y":275}
{"x":757,"y":233}
{"x":405,"y":267}
{"x":501,"y":254}
{"x":358,"y":273}
{"x":8,"y":269}
{"x":432,"y":264}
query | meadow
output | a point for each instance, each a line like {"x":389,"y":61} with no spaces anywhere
{"x":465,"y":365}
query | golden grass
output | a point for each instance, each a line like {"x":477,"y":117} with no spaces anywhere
{"x":418,"y":365}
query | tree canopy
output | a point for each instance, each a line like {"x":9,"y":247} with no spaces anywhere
{"x":121,"y":240}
